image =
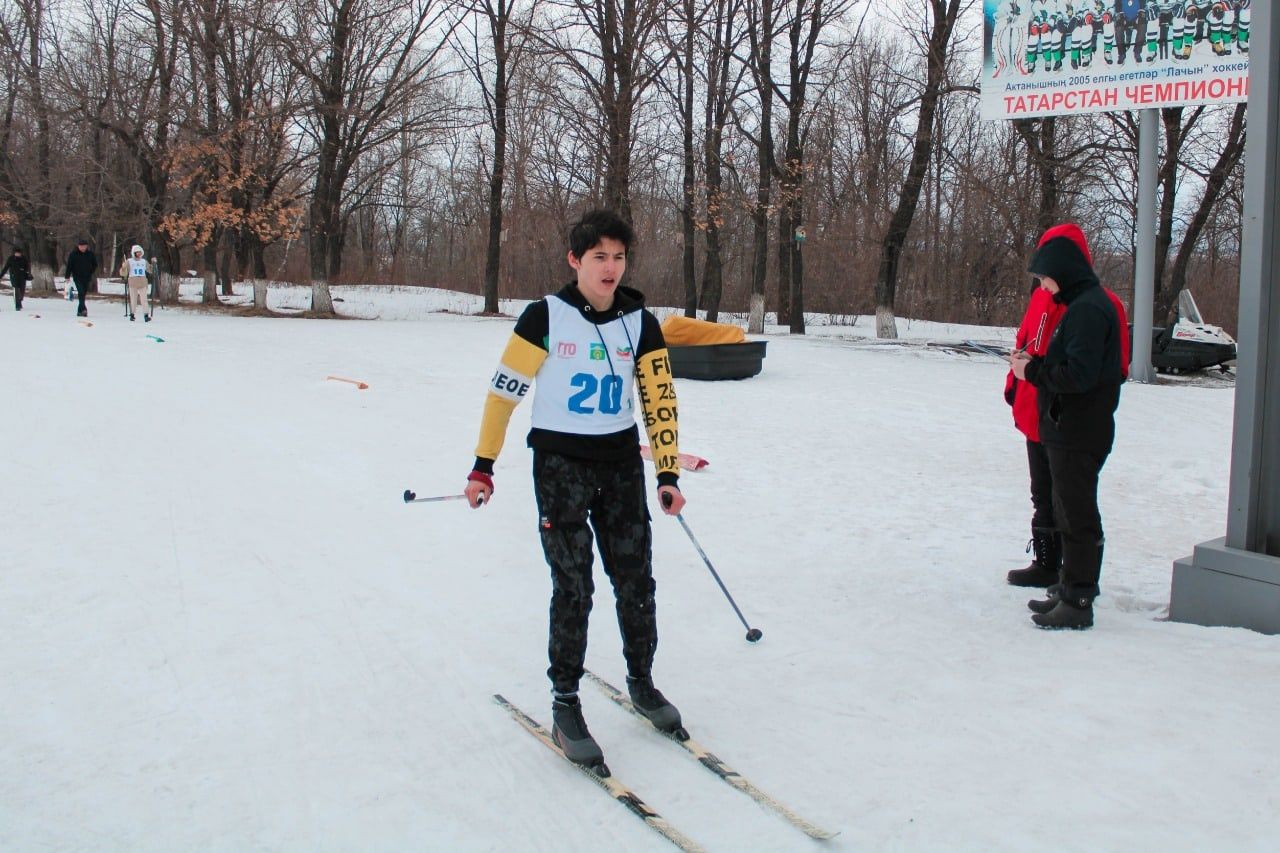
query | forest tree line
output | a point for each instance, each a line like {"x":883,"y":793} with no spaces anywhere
{"x":780,"y":156}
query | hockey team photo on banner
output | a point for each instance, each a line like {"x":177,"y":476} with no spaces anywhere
{"x":1057,"y":57}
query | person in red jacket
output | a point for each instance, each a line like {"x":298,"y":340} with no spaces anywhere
{"x":1038,"y":324}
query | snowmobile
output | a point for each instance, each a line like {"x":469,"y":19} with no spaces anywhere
{"x":1189,"y":343}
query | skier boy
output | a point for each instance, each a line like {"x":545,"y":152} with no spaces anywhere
{"x":587,"y":347}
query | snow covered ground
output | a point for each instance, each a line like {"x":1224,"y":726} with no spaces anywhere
{"x":223,"y":630}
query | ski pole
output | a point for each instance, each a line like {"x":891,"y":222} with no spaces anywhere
{"x":753,"y":634}
{"x":410,"y":497}
{"x":986,"y":349}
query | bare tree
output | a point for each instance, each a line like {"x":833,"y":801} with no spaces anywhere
{"x":493,"y":66}
{"x":1215,"y":181}
{"x":761,"y":27}
{"x":616,"y":66}
{"x":724,"y":79}
{"x":27,"y":188}
{"x":807,"y":21}
{"x":940,"y":23}
{"x":369,"y":66}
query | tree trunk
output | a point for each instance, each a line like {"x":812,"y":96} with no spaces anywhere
{"x":785,"y":246}
{"x":688,"y":263}
{"x":321,"y":300}
{"x":712,"y":274}
{"x":762,"y":55}
{"x":493,"y":249}
{"x":209,"y":293}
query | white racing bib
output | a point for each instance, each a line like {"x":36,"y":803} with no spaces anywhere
{"x":587,"y":383}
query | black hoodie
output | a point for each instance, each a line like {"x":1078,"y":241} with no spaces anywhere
{"x":18,"y":268}
{"x":1080,"y":375}
{"x":81,"y":265}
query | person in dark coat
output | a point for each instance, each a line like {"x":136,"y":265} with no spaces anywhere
{"x":81,"y":265}
{"x":19,"y":270}
{"x":1077,"y":384}
{"x":1043,"y":314}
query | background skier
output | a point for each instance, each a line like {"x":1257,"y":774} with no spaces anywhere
{"x":134,"y":270}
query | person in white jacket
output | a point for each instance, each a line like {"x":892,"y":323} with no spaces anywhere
{"x":134,"y":270}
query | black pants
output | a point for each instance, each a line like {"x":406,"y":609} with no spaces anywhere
{"x":1041,"y":485}
{"x":82,"y":290}
{"x":1124,"y":37}
{"x":576,"y":497}
{"x":1075,"y":507}
{"x":19,"y":291}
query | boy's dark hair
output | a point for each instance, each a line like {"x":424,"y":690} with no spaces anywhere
{"x":594,"y":226}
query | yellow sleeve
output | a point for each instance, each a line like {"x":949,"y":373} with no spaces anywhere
{"x":511,"y":381}
{"x":658,"y":402}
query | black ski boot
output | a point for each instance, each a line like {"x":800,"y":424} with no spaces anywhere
{"x":569,"y":731}
{"x":650,"y":702}
{"x":82,"y":312}
{"x":146,"y":318}
{"x":1043,"y":570}
{"x":1074,"y":610}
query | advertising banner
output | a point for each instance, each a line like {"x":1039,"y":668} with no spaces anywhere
{"x":1058,"y":57}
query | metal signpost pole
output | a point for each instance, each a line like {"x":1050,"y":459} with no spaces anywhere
{"x":1235,"y":580}
{"x":1144,"y":270}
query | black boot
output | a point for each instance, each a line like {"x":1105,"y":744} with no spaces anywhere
{"x":1073,"y":609}
{"x":569,"y":731}
{"x":649,"y":701}
{"x":1052,"y":594}
{"x":1043,"y":570}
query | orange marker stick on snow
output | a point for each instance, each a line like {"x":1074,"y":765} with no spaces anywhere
{"x":355,"y":382}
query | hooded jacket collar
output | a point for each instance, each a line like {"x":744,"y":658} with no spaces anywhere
{"x":625,"y":301}
{"x":1061,"y":259}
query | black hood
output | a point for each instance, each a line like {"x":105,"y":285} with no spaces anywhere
{"x":1061,"y":260}
{"x":625,"y":301}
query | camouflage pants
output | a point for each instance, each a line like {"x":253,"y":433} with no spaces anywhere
{"x":575,"y":497}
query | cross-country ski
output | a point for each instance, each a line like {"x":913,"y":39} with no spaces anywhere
{"x":721,"y":770}
{"x":602,"y":777}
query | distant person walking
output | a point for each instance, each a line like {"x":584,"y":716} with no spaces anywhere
{"x":19,"y":270}
{"x":1077,"y":386}
{"x":82,"y":263}
{"x":134,"y":270}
